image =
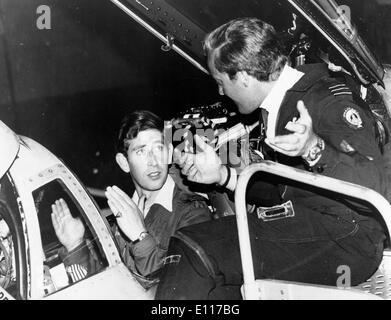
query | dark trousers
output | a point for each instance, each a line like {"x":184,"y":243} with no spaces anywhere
{"x":309,"y":247}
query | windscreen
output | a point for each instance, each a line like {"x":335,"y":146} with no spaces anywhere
{"x":340,"y":17}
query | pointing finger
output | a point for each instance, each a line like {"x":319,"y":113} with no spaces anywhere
{"x":303,"y":111}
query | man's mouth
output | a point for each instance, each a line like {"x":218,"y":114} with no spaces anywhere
{"x":154,"y":174}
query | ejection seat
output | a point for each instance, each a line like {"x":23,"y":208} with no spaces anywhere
{"x":377,"y":287}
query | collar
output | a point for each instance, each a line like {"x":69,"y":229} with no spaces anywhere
{"x":164,"y":196}
{"x":313,"y":72}
{"x":285,"y":81}
{"x":272,"y":103}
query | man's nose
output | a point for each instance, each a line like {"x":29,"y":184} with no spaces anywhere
{"x":152,"y":159}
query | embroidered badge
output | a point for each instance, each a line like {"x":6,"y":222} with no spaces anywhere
{"x":352,"y":117}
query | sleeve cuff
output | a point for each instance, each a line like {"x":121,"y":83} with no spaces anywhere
{"x":79,"y":255}
{"x":232,"y":181}
{"x":328,"y":159}
{"x":313,"y":162}
{"x":144,"y":247}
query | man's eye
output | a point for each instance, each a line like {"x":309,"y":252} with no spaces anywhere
{"x":140,"y":152}
{"x":158,"y":148}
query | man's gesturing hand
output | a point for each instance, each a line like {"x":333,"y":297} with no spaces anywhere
{"x":129,"y":217}
{"x":302,"y":138}
{"x":69,"y":230}
{"x":202,"y":167}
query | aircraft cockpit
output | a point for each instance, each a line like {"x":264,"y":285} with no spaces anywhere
{"x":33,"y":263}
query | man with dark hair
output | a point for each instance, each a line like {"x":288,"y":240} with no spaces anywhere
{"x":158,"y":207}
{"x":336,"y":136}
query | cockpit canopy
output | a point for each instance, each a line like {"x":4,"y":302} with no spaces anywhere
{"x":324,"y":25}
{"x":9,"y":148}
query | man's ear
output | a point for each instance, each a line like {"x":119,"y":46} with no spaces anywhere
{"x":170,"y":153}
{"x":122,"y":162}
{"x":274,"y":76}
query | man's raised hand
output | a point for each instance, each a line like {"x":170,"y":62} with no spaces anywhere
{"x":202,"y":167}
{"x":130,"y":219}
{"x":302,"y":138}
{"x":69,"y":230}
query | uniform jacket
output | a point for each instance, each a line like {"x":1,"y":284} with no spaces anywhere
{"x":347,"y":126}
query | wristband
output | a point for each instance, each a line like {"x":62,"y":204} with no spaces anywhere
{"x":228,"y":176}
{"x":315,"y":152}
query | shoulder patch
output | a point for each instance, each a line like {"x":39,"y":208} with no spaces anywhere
{"x":352,"y":117}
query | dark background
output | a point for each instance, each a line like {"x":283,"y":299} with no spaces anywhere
{"x":69,"y":87}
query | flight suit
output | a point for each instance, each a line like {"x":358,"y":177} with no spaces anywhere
{"x":320,"y":232}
